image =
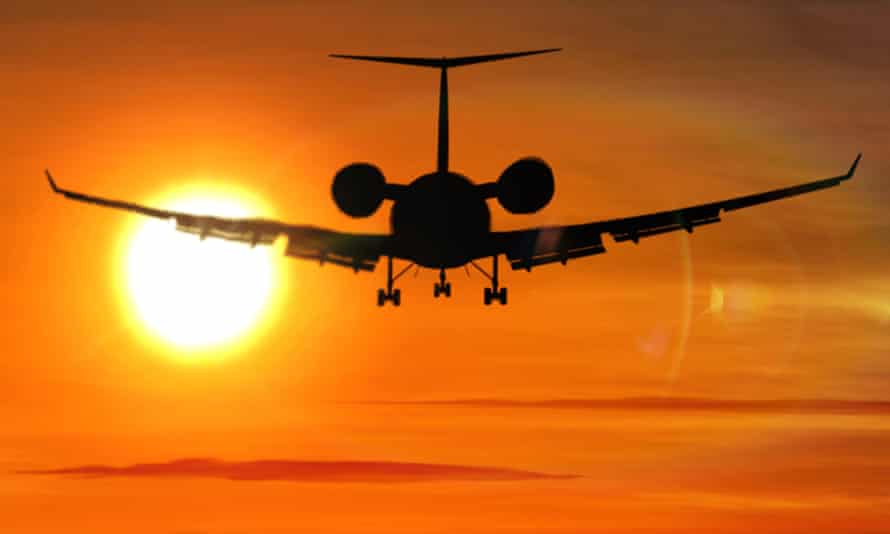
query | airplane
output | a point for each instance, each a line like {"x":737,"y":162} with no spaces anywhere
{"x":441,"y":220}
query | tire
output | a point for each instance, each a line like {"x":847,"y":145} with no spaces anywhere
{"x":503,"y":296}
{"x":381,"y":297}
{"x":487,"y":296}
{"x":397,"y":297}
{"x":447,"y":289}
{"x":436,"y":291}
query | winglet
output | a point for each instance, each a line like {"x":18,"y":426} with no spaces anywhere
{"x":853,"y":167}
{"x":52,"y":183}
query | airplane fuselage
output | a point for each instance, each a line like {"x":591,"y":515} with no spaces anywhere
{"x":440,"y":220}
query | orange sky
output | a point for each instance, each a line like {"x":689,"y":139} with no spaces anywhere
{"x":647,"y":108}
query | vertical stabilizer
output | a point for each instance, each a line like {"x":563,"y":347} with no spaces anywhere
{"x":444,"y":64}
{"x":442,"y":142}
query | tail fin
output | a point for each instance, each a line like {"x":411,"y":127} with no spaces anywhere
{"x":445,"y":62}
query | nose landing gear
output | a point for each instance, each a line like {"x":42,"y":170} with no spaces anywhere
{"x":442,"y":287}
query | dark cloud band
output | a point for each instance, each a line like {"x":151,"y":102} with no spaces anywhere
{"x":302,"y":471}
{"x":672,"y":404}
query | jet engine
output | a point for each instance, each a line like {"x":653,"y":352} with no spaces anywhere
{"x":358,"y":189}
{"x":525,"y":186}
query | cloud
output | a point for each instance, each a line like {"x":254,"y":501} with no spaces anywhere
{"x":673,"y":404}
{"x":301,"y":471}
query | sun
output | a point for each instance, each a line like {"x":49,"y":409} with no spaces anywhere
{"x":197,"y":294}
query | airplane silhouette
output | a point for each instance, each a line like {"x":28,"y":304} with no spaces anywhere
{"x":441,"y":220}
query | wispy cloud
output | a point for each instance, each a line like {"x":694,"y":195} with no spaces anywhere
{"x":302,"y":471}
{"x":670,"y":404}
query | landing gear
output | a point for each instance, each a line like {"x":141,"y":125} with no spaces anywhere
{"x":395,"y":296}
{"x":494,"y":292}
{"x":390,"y":294}
{"x":442,"y":287}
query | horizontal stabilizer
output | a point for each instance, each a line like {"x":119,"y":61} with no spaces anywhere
{"x":444,"y":62}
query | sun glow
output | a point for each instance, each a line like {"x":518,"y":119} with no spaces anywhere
{"x":196,"y":294}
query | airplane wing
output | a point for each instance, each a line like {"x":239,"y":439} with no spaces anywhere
{"x":537,"y":246}
{"x":357,"y":251}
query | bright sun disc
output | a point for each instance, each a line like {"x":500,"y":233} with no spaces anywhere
{"x":197,"y":294}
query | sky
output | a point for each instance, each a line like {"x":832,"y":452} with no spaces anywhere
{"x":761,"y":342}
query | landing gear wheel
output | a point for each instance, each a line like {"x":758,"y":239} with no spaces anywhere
{"x":389,"y":293}
{"x":494,"y":292}
{"x":442,"y":289}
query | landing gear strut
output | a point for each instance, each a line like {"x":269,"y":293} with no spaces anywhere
{"x":390,"y":294}
{"x":442,"y":287}
{"x":494,"y":292}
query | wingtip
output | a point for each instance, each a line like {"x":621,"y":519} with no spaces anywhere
{"x":52,"y":183}
{"x":854,"y":165}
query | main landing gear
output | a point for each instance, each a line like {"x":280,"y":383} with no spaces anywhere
{"x":494,"y":292}
{"x":442,"y":287}
{"x":390,"y":294}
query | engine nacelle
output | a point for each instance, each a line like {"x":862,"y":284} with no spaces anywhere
{"x":358,"y":189}
{"x":525,"y":186}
